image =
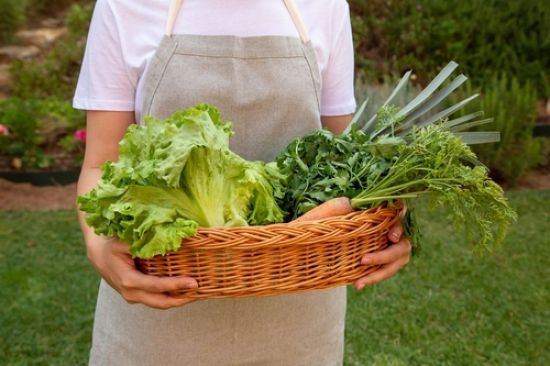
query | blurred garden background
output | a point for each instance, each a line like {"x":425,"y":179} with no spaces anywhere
{"x":447,"y":307}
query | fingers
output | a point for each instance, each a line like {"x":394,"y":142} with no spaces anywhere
{"x":151,"y":291}
{"x":136,"y":287}
{"x":391,"y":260}
{"x":133,"y":279}
{"x":399,"y":251}
{"x":157,"y":301}
{"x":138,"y":280}
{"x":396,"y":232}
{"x":402,"y":204}
{"x":380,"y":275}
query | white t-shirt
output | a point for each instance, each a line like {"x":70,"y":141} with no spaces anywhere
{"x":124,"y":35}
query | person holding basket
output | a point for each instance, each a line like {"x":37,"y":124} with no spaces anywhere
{"x":279,"y":70}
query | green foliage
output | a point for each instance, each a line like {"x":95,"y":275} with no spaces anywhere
{"x":12,"y":15}
{"x":24,"y":140}
{"x":398,"y":153}
{"x":513,"y":108}
{"x":56,"y":76}
{"x":483,"y":36}
{"x":35,"y":127}
{"x":429,"y":160}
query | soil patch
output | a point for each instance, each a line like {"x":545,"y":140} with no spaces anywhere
{"x":537,"y":180}
{"x":24,"y":196}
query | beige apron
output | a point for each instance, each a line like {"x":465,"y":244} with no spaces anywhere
{"x":269,"y":87}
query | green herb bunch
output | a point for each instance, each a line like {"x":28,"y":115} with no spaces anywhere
{"x":430,"y":161}
{"x":401,"y":154}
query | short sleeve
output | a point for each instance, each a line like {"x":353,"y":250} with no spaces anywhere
{"x":104,"y":82}
{"x":337,"y":91}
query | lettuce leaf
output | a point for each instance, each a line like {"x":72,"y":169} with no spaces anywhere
{"x":176,"y":175}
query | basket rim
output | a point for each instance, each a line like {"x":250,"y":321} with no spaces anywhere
{"x":275,"y":259}
{"x":268,"y":235}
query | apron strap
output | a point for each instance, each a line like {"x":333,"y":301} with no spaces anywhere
{"x":297,"y":19}
{"x":175,"y":6}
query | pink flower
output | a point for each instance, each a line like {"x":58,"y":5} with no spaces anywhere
{"x":4,"y":130}
{"x":80,"y":135}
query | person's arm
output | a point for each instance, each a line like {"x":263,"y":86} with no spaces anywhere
{"x":395,"y":256}
{"x":110,"y":257}
{"x":336,"y":124}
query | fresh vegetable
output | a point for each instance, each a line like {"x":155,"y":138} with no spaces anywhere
{"x":400,"y":154}
{"x":175,"y":175}
{"x":334,"y":207}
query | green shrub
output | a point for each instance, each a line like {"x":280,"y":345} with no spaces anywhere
{"x":39,"y":117}
{"x":12,"y":15}
{"x":24,"y":139}
{"x":37,"y":129}
{"x":56,"y":76}
{"x":484,"y":37}
{"x":513,"y":108}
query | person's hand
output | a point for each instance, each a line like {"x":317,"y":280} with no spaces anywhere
{"x":113,"y":261}
{"x":391,"y":259}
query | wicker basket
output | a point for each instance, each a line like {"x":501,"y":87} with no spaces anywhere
{"x":278,"y":258}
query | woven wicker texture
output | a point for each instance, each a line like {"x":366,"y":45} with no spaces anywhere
{"x":278,"y":258}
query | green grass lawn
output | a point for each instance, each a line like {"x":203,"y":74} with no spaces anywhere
{"x":446,"y":308}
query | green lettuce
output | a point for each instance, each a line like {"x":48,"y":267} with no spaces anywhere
{"x":176,"y":175}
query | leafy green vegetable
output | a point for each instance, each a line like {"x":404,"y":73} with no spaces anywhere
{"x":401,"y":153}
{"x":430,"y":160}
{"x":175,"y":175}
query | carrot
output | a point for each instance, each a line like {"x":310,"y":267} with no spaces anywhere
{"x":333,"y":207}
